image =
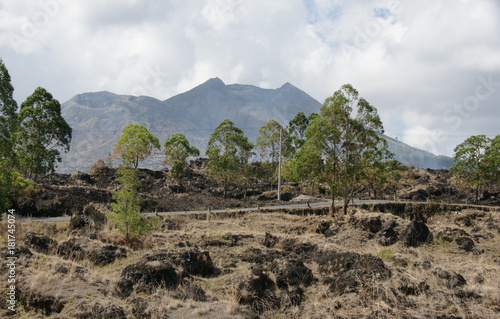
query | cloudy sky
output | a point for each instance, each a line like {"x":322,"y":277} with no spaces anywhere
{"x":431,"y":67}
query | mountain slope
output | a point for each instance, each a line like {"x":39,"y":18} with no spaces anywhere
{"x":98,"y":118}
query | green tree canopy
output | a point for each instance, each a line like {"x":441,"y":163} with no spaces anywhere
{"x":268,"y":141}
{"x":228,"y":150}
{"x":346,"y":135}
{"x":177,"y":150}
{"x":8,"y":115}
{"x":42,"y":133}
{"x":296,"y":136}
{"x":477,"y":162}
{"x":135,"y":144}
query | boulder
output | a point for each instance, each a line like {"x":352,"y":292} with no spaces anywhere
{"x":89,"y":221}
{"x":291,"y":272}
{"x":40,"y":243}
{"x":388,"y":235}
{"x":78,"y":248}
{"x":257,"y":292}
{"x":269,"y":240}
{"x":197,"y":263}
{"x":416,"y":234}
{"x":146,"y":276}
{"x":348,"y":271}
{"x":465,"y":243}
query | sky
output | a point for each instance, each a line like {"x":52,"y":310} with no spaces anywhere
{"x":430,"y":67}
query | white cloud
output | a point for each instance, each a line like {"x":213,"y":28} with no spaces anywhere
{"x":415,"y":61}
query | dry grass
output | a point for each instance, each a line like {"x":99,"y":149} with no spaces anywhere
{"x":479,"y":298}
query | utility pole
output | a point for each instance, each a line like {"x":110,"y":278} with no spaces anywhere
{"x":279,"y":165}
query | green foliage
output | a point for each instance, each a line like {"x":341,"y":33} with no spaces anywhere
{"x":11,"y":184}
{"x":135,"y":144}
{"x":126,"y":215}
{"x":228,"y":151}
{"x":268,"y":145}
{"x":296,"y":136}
{"x":346,"y":136}
{"x":268,"y":141}
{"x":177,"y":149}
{"x":476,"y":162}
{"x":42,"y":132}
{"x":8,"y":116}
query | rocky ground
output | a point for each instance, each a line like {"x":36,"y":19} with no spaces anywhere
{"x":395,"y":260}
{"x":262,"y":265}
{"x":68,"y":194}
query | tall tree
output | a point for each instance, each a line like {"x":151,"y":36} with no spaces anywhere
{"x":126,"y":215}
{"x":268,"y":141}
{"x":268,"y":146}
{"x":8,"y":115}
{"x":476,"y":162}
{"x":135,"y":144}
{"x":492,"y":159}
{"x":228,"y":151}
{"x":43,"y":132}
{"x":177,"y":149}
{"x":346,"y":134}
{"x":296,"y":136}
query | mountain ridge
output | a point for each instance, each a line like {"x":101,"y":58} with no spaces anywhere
{"x":97,"y":118}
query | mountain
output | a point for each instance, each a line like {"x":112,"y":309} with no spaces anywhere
{"x":98,"y":118}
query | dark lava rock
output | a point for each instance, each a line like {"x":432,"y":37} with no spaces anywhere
{"x":35,"y":300}
{"x":388,"y":235}
{"x":347,"y":271}
{"x":99,"y":311}
{"x":40,"y":243}
{"x":78,"y":248}
{"x":140,"y":308}
{"x":106,"y":255}
{"x":465,"y":243}
{"x":146,"y":276}
{"x":269,"y":240}
{"x":71,"y":249}
{"x":410,"y":288}
{"x":258,"y":293}
{"x":291,"y":272}
{"x":371,"y":224}
{"x":197,"y":263}
{"x":89,"y":220}
{"x":452,"y":279}
{"x":190,"y":290}
{"x":302,"y":249}
{"x":416,"y":234}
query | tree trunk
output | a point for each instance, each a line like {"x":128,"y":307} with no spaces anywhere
{"x":332,"y":206}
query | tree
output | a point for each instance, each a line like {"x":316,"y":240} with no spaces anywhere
{"x":492,"y":161}
{"x":42,"y":133}
{"x":346,"y":135}
{"x":307,"y":165}
{"x":8,"y":116}
{"x":126,"y":215}
{"x":476,"y":162}
{"x":268,"y":145}
{"x":268,"y":141}
{"x":177,"y":150}
{"x":228,"y":150}
{"x":296,"y":136}
{"x":135,"y":144}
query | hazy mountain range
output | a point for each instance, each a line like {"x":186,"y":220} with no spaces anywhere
{"x":98,"y":118}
